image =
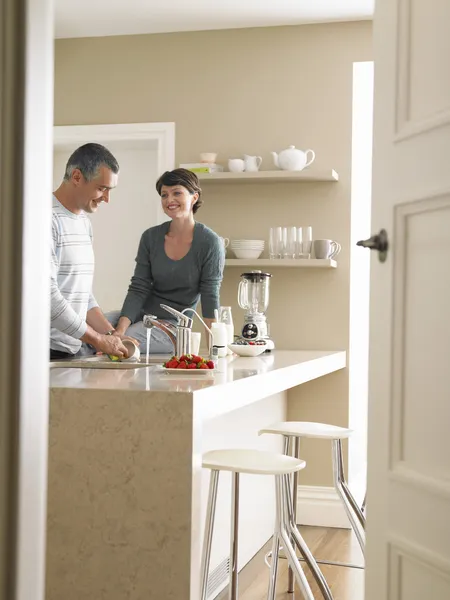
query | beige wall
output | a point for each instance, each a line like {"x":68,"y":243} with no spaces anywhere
{"x":251,"y":91}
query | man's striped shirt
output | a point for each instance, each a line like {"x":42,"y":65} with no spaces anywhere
{"x":71,"y":278}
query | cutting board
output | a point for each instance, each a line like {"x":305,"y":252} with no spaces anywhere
{"x":101,"y":362}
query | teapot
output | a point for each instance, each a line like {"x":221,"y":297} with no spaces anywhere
{"x":293,"y":159}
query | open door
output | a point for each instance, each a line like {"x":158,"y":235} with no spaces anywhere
{"x":408,"y":510}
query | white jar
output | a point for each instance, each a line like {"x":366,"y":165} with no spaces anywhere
{"x":220,"y":337}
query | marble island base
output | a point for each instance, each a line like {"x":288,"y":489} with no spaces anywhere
{"x":127,"y":494}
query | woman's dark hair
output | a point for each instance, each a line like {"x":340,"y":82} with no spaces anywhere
{"x":183,"y":177}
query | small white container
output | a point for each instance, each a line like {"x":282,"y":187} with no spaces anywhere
{"x":220,"y":337}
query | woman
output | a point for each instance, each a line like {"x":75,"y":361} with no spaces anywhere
{"x":178,"y":263}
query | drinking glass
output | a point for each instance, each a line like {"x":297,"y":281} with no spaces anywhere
{"x":289,"y":241}
{"x":276,"y":242}
{"x":304,"y":242}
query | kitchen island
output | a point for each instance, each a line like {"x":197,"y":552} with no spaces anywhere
{"x":127,"y":495}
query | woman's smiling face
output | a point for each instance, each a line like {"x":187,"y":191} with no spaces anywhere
{"x":177,"y":201}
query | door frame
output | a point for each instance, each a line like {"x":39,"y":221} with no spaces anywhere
{"x":163,"y":134}
{"x":26,"y":120}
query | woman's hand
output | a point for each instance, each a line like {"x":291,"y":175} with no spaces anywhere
{"x":121,"y":329}
{"x":122,"y":326}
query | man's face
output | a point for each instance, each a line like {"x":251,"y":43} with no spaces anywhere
{"x":91,"y":193}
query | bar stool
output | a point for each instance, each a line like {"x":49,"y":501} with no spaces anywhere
{"x":295,"y":430}
{"x":257,"y":462}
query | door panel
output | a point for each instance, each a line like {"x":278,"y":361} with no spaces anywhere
{"x":408,"y":505}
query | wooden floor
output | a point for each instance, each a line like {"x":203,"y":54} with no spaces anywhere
{"x":327,"y":544}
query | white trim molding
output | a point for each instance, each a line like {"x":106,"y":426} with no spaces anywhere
{"x":320,"y":507}
{"x":163,"y":134}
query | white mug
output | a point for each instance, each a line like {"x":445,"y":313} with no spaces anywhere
{"x":134,"y":354}
{"x":326,"y":248}
{"x":236,"y":165}
{"x":226,"y":242}
{"x":252,"y":163}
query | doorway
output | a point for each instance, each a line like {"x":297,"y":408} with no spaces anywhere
{"x":361,"y":206}
{"x":144,"y":151}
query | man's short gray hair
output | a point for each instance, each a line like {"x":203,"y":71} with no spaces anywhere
{"x":88,"y":159}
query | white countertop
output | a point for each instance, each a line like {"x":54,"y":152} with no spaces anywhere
{"x":237,"y":382}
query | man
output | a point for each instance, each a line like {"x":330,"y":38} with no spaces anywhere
{"x":78,"y":326}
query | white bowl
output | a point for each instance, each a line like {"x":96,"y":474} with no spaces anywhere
{"x":247,"y":253}
{"x":248,"y":242}
{"x":248,"y":248}
{"x":247,"y":350}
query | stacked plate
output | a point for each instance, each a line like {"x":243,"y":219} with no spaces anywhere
{"x":247,"y":248}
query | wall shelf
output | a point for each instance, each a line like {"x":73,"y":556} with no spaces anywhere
{"x":309,"y":174}
{"x":267,"y":263}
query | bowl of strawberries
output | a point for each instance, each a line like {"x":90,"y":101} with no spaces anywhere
{"x":189,"y":364}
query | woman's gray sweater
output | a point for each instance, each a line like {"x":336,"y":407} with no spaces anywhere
{"x":180,"y":283}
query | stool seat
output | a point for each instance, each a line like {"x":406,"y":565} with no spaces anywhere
{"x":257,"y":462}
{"x":308,"y":430}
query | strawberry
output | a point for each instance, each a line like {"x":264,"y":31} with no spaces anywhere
{"x":182,"y":365}
{"x":196,"y":359}
{"x":203,"y":366}
{"x":171,"y":364}
{"x":192,"y":365}
{"x":185,"y":358}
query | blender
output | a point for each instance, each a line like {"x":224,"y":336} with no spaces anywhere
{"x":253,"y":297}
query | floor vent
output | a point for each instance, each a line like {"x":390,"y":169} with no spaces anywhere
{"x":217,"y":577}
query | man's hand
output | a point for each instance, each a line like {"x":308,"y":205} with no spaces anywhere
{"x":126,"y":337}
{"x":111,"y":344}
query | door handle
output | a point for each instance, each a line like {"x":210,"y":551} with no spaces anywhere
{"x":378,"y":242}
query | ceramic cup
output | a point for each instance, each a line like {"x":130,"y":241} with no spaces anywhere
{"x":134,"y":354}
{"x":196,"y":339}
{"x":326,"y":248}
{"x":236,"y":165}
{"x":226,"y":242}
{"x":208,"y":157}
{"x":252,"y":163}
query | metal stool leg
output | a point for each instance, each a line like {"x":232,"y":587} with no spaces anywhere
{"x":209,"y":528}
{"x":294,"y":509}
{"x":304,"y":550}
{"x":352,"y":509}
{"x":274,"y":566}
{"x":233,"y":591}
{"x":282,"y":484}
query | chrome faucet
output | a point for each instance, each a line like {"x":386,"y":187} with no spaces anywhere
{"x":210,"y":333}
{"x":179,"y":334}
